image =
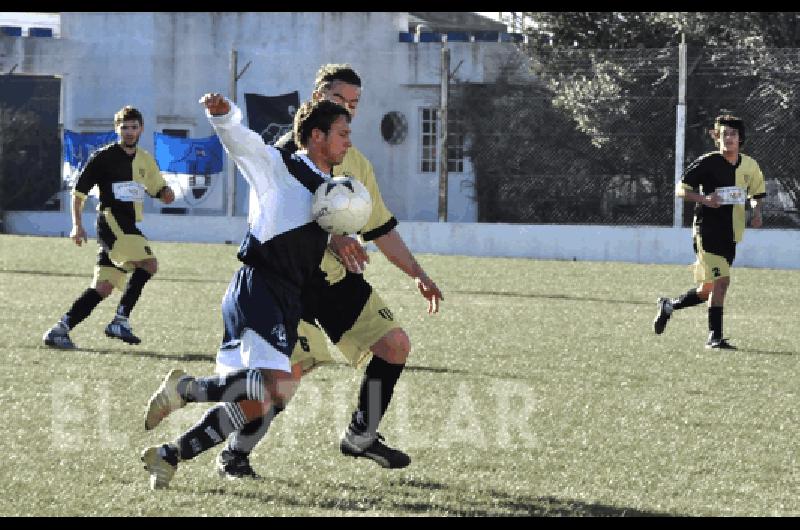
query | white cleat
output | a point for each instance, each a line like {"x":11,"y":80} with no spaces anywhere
{"x":165,"y":400}
{"x":161,"y":471}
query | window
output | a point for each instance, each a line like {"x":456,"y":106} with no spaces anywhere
{"x":455,"y":141}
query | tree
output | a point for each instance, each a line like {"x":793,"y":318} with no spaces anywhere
{"x":738,"y":62}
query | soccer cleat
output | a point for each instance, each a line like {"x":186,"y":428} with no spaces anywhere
{"x":369,"y":446}
{"x":664,"y":312}
{"x":58,"y":337}
{"x":235,"y":465}
{"x":120,"y":328}
{"x":161,"y":471}
{"x":714,"y":343}
{"x":165,"y":400}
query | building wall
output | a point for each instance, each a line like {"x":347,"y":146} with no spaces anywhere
{"x":776,"y":249}
{"x":163,"y":62}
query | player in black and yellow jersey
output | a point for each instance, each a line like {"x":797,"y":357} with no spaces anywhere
{"x":123,"y":173}
{"x":348,"y":309}
{"x":720,"y":183}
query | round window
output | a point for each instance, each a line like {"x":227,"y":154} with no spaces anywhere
{"x":394,"y":127}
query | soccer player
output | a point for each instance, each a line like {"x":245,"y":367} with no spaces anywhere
{"x":262,"y":305}
{"x":349,"y":310}
{"x":719,"y":182}
{"x":123,"y":173}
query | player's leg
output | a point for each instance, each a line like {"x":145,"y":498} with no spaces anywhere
{"x":106,"y":277}
{"x":241,"y":403}
{"x":374,"y":331}
{"x":715,"y":271}
{"x":694,"y":296}
{"x":130,"y":251}
{"x":310,"y":351}
{"x":254,"y":373}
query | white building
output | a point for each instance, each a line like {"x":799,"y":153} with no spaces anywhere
{"x":163,"y":62}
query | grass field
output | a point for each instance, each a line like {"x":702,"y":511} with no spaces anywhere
{"x":539,"y":389}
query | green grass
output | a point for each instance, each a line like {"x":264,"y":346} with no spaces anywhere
{"x":539,"y":389}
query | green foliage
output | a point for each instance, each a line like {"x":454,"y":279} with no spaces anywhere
{"x":539,"y":389}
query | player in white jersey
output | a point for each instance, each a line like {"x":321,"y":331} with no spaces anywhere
{"x":262,"y":305}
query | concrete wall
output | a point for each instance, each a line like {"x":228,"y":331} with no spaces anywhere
{"x":779,"y":249}
{"x":163,"y":62}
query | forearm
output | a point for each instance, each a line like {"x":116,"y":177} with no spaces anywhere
{"x":394,"y":248}
{"x":77,"y":208}
{"x":692,"y":196}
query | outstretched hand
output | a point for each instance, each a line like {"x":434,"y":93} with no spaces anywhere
{"x":216,"y":104}
{"x":432,"y":293}
{"x":350,"y":253}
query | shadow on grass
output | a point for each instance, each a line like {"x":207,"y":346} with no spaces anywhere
{"x":500,"y":503}
{"x":88,"y":277}
{"x":553,"y":297}
{"x":181,"y":357}
{"x":762,"y":352}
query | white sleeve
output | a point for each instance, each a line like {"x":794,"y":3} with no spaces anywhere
{"x":246,"y":148}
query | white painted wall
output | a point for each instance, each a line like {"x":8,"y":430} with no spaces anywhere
{"x":779,"y":249}
{"x":163,"y":62}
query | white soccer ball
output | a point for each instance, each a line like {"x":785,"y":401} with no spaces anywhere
{"x":342,"y":205}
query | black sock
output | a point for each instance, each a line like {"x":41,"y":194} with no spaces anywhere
{"x":245,"y":439}
{"x":715,"y":321}
{"x":689,"y":299}
{"x":82,"y":307}
{"x":132,"y":291}
{"x":244,"y":384}
{"x":377,"y":388}
{"x":215,"y":426}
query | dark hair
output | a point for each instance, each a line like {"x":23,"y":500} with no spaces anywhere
{"x":730,"y":121}
{"x":329,"y":73}
{"x":316,"y":115}
{"x":128,"y":113}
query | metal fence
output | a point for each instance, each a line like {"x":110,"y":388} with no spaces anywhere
{"x":592,"y":139}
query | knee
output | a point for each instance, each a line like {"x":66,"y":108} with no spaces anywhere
{"x":705,"y":290}
{"x":151,"y":266}
{"x":396,"y":346}
{"x":104,"y":288}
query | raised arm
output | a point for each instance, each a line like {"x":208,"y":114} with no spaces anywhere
{"x":245,"y":147}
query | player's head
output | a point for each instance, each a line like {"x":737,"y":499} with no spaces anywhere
{"x":338,"y":83}
{"x":128,"y":123}
{"x":725,"y":127}
{"x":323,"y":128}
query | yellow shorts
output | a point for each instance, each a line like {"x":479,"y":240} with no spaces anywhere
{"x":374,"y":321}
{"x":709,"y":267}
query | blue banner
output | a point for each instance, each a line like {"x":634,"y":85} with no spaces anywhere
{"x":192,"y":156}
{"x":78,"y":147}
{"x":193,"y":168}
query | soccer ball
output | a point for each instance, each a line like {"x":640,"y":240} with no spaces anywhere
{"x":341,"y":206}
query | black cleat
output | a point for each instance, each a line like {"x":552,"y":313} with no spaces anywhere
{"x":235,"y":465}
{"x":719,"y":344}
{"x":372,"y":447}
{"x":664,"y":312}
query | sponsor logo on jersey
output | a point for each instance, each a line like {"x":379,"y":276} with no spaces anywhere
{"x":279,"y":331}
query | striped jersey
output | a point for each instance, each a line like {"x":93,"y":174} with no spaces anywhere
{"x":712,"y":172}
{"x":283,"y":241}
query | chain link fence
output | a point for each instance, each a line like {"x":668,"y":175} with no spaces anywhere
{"x":592,"y":139}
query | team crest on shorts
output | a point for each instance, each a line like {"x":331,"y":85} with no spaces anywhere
{"x":279,"y":331}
